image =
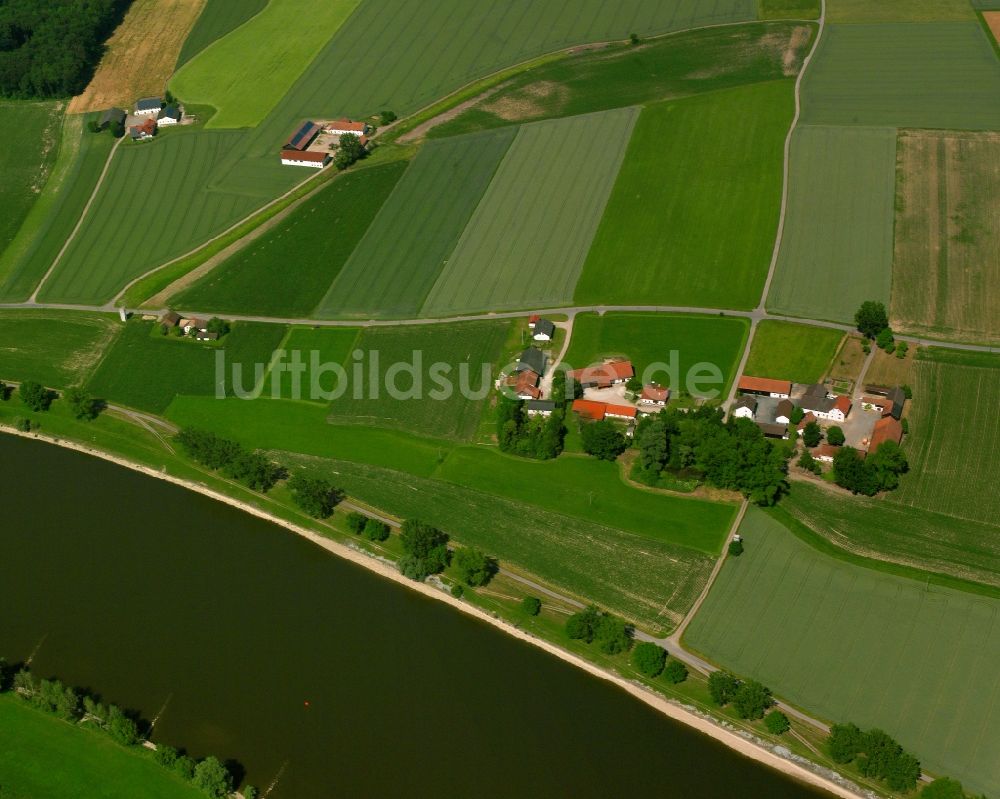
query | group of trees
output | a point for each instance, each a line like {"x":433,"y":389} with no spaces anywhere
{"x":872,"y":320}
{"x":425,"y":550}
{"x":538,"y":437}
{"x":38,"y":398}
{"x":50,"y":49}
{"x":876,"y":755}
{"x":733,"y":455}
{"x":372,"y":529}
{"x":349,"y":151}
{"x":749,"y":698}
{"x":603,"y":440}
{"x":75,"y":706}
{"x":650,"y":660}
{"x":251,"y":468}
{"x":879,"y":471}
{"x":314,"y":495}
{"x":611,"y":634}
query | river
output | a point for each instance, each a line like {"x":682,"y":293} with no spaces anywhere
{"x":253,"y":644}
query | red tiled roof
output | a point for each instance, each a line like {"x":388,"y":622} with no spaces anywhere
{"x":805,"y":420}
{"x":827,"y":450}
{"x":533,"y":318}
{"x":886,"y":429}
{"x":884,"y":403}
{"x":624,"y":411}
{"x":655,"y":393}
{"x":346,"y":124}
{"x":589,"y":409}
{"x":305,"y":155}
{"x":748,"y":383}
{"x":604,"y":374}
{"x":843,"y":404}
{"x":527,"y":383}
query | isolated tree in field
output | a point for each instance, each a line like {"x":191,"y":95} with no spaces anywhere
{"x":603,"y":440}
{"x":736,"y":547}
{"x":777,"y":722}
{"x":812,"y":434}
{"x":722,"y":686}
{"x":387,"y":117}
{"x":315,"y":496}
{"x":356,"y":522}
{"x":426,"y":550}
{"x":752,"y":699}
{"x":531,"y":605}
{"x":649,"y":659}
{"x":871,"y":318}
{"x":675,"y":672}
{"x":213,"y":778}
{"x":943,"y":788}
{"x":36,"y":396}
{"x":376,"y":530}
{"x":474,"y":567}
{"x":835,"y":436}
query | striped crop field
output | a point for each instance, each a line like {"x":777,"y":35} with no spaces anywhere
{"x":920,"y":75}
{"x":855,"y":644}
{"x":217,"y":18}
{"x":402,"y":253}
{"x":692,"y":218}
{"x":836,"y":251}
{"x":899,"y":11}
{"x":527,"y":241}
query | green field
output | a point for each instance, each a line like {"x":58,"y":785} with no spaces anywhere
{"x":244,"y":90}
{"x":474,"y":347}
{"x":899,"y":11}
{"x":920,"y":75}
{"x":620,"y":75}
{"x":42,"y":756}
{"x":885,"y":530}
{"x":218,"y":18}
{"x":399,"y":258}
{"x":55,"y":348}
{"x":695,"y":229}
{"x":646,"y":580}
{"x":836,"y":251}
{"x":854,"y":644}
{"x":332,"y":345}
{"x":788,"y":9}
{"x":30,"y":133}
{"x":145,"y":370}
{"x":81,"y":158}
{"x":787,"y":351}
{"x":287,"y":271}
{"x":527,"y":240}
{"x":651,"y":338}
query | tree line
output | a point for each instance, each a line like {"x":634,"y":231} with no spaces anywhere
{"x":210,"y":775}
{"x":50,"y":48}
{"x":38,"y":399}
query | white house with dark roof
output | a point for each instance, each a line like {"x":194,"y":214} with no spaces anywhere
{"x":745,"y":408}
{"x":544,"y":330}
{"x":170,"y":115}
{"x":148,"y":106}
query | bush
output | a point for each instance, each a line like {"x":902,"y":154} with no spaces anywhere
{"x":675,"y":672}
{"x":213,"y":778}
{"x":36,"y":396}
{"x":649,"y":659}
{"x":812,"y":434}
{"x":457,"y":591}
{"x":844,"y":742}
{"x":184,"y":767}
{"x":165,"y":755}
{"x":387,"y":117}
{"x":777,"y":723}
{"x":809,"y":463}
{"x":531,"y":605}
{"x":835,"y":436}
{"x":943,"y":788}
{"x":356,"y":522}
{"x":376,"y":530}
{"x":736,"y":548}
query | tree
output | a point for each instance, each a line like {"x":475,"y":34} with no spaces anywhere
{"x":387,"y":117}
{"x":943,"y":788}
{"x":649,"y":659}
{"x":603,"y":440}
{"x":808,"y":462}
{"x":633,"y":38}
{"x":376,"y":530}
{"x":315,"y":496}
{"x":36,"y":396}
{"x":217,"y":325}
{"x":722,"y":686}
{"x":835,"y":436}
{"x":213,"y":778}
{"x":871,"y":318}
{"x":901,"y":349}
{"x":581,"y":626}
{"x":356,"y":522}
{"x":812,"y":434}
{"x":850,"y":472}
{"x":350,"y":150}
{"x":474,"y":567}
{"x":4,"y":392}
{"x":752,"y":699}
{"x":531,"y":605}
{"x":777,"y":723}
{"x":736,"y":547}
{"x":165,"y":755}
{"x":844,"y":742}
{"x":613,"y":635}
{"x":675,"y":672}
{"x":458,"y":591}
{"x":651,"y":438}
{"x":633,"y":384}
{"x":184,"y":766}
{"x":797,"y":415}
{"x":885,"y":340}
{"x":426,"y":550}
{"x":121,"y":728}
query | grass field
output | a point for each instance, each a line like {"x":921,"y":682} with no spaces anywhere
{"x":947,"y":251}
{"x":954,"y":434}
{"x":788,"y":9}
{"x":921,"y":75}
{"x":854,"y":644}
{"x":145,"y":370}
{"x":332,"y":345}
{"x":889,"y":370}
{"x":139,"y":56}
{"x":675,"y":66}
{"x":41,"y":755}
{"x":56,"y":348}
{"x":646,"y":580}
{"x":836,"y":251}
{"x":402,"y":253}
{"x":527,"y":240}
{"x":885,"y":530}
{"x":52,"y":217}
{"x":218,"y":18}
{"x":245,"y":90}
{"x":287,"y":271}
{"x":698,"y":230}
{"x":472,"y":346}
{"x":30,"y":133}
{"x":899,"y":11}
{"x":787,"y":351}
{"x":651,"y":338}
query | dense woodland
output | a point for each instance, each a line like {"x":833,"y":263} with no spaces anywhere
{"x":50,"y":48}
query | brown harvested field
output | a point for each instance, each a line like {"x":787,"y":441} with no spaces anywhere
{"x":848,"y":361}
{"x":993,"y":20}
{"x":888,"y":370}
{"x":141,"y":54}
{"x":946,"y":266}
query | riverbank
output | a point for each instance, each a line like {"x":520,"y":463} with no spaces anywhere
{"x":693,"y":719}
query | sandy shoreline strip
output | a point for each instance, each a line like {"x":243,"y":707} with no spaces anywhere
{"x":671,"y":709}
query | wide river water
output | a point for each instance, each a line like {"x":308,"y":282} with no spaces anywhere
{"x":225,"y":626}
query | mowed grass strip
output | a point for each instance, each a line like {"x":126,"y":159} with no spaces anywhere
{"x":527,"y":241}
{"x":851,"y":644}
{"x":402,"y":253}
{"x":648,"y":581}
{"x":284,"y":38}
{"x":41,"y":755}
{"x":954,"y":437}
{"x":287,"y":271}
{"x":55,"y":348}
{"x":217,"y":18}
{"x":899,"y":11}
{"x":788,"y":351}
{"x":400,"y":389}
{"x":836,"y":250}
{"x":648,"y":339}
{"x":920,"y":75}
{"x":947,"y":252}
{"x":887,"y":531}
{"x":621,"y":74}
{"x":692,"y":218}
{"x":145,"y":370}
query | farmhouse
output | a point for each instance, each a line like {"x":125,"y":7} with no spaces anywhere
{"x":302,"y":137}
{"x":539,"y":407}
{"x":170,"y":319}
{"x":305,"y":158}
{"x":148,"y":106}
{"x":765,"y":387}
{"x":745,"y":408}
{"x":543,"y":330}
{"x":653,"y":394}
{"x":113,"y":116}
{"x":889,"y":401}
{"x":783,"y":413}
{"x":886,"y":429}
{"x":207,"y":335}
{"x":147,"y":130}
{"x":532,"y":358}
{"x":338,"y":127}
{"x":525,"y":384}
{"x":170,"y":115}
{"x":603,"y":375}
{"x":825,"y":406}
{"x":588,"y":409}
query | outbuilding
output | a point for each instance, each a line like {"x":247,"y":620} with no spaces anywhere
{"x":148,"y":106}
{"x":171,"y":115}
{"x":113,"y":116}
{"x":539,"y":407}
{"x":765,"y":387}
{"x":653,"y":394}
{"x":745,"y":408}
{"x":338,"y":127}
{"x":532,"y":358}
{"x":308,"y":158}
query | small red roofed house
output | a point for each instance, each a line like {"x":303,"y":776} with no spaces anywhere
{"x":338,"y":127}
{"x":604,"y":375}
{"x":619,"y":412}
{"x":886,"y":429}
{"x":765,"y":386}
{"x":312,"y":158}
{"x":588,"y":409}
{"x":653,"y":394}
